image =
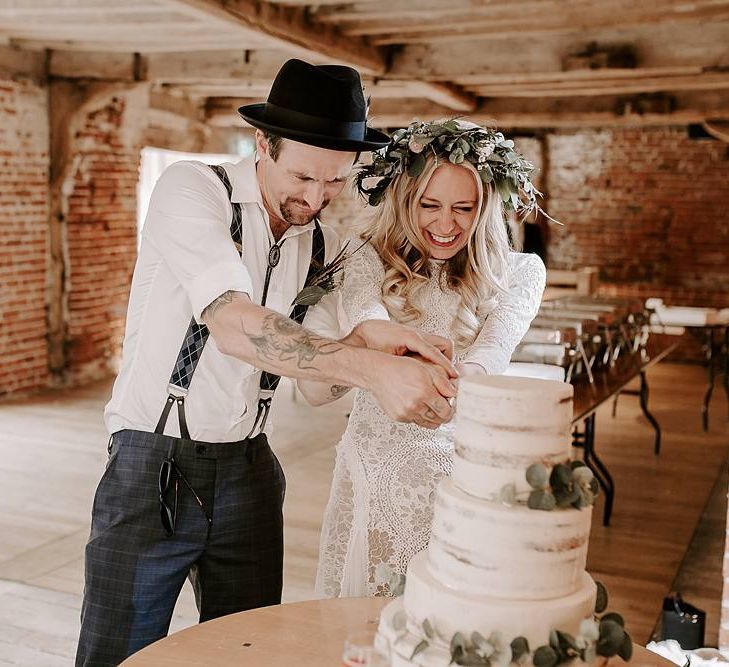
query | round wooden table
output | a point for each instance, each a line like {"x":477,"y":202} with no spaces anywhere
{"x":301,"y":634}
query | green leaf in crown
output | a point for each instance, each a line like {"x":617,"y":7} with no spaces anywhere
{"x":493,"y":156}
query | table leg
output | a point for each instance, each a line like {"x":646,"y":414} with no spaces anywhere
{"x":710,"y":377}
{"x":644,"y":406}
{"x":599,"y":469}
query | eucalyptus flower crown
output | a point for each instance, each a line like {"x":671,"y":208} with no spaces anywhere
{"x":493,"y":156}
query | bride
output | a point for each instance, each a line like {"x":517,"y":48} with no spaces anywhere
{"x":438,"y":258}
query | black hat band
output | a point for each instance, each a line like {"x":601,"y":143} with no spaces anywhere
{"x":304,"y":122}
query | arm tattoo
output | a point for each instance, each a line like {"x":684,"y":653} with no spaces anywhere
{"x":338,"y":390}
{"x":282,"y":340}
{"x":221,"y":301}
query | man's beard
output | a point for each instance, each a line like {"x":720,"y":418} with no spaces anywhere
{"x":292,"y":213}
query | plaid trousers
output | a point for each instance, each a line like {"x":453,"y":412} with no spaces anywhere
{"x":134,"y":571}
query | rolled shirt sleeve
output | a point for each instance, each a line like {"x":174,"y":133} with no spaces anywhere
{"x":188,"y":223}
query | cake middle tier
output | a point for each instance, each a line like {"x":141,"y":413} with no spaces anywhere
{"x":450,"y":611}
{"x":490,"y":549}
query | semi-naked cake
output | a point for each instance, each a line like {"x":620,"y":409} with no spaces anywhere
{"x":503,"y":578}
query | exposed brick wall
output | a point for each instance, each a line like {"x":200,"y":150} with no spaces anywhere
{"x":646,"y":206}
{"x":24,"y":165}
{"x":102,"y":235}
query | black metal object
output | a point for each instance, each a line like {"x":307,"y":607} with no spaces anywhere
{"x":713,"y":350}
{"x":643,"y":394}
{"x":585,"y":440}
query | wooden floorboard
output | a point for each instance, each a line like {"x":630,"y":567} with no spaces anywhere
{"x":53,"y":449}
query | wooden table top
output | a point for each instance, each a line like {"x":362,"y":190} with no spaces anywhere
{"x":301,"y":634}
{"x":589,"y":397}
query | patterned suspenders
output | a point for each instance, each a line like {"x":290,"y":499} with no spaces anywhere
{"x":197,"y":334}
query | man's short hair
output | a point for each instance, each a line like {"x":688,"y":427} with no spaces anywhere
{"x":274,"y":144}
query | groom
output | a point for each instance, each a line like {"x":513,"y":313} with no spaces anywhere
{"x":224,"y":253}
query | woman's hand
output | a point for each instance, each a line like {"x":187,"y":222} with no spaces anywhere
{"x":401,"y":340}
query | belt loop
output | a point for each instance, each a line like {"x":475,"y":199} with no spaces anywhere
{"x":110,"y":444}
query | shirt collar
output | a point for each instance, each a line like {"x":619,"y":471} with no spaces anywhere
{"x":245,"y":184}
{"x":247,"y":191}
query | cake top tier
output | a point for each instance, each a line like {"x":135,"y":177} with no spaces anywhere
{"x":522,"y":387}
{"x":504,"y":424}
{"x":515,"y":403}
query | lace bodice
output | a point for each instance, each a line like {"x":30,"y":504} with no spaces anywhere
{"x":380,"y":507}
{"x":503,"y":323}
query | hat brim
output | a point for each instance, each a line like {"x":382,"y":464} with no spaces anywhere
{"x":373,"y":140}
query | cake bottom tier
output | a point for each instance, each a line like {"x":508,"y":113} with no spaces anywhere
{"x":449,"y":611}
{"x":399,"y":646}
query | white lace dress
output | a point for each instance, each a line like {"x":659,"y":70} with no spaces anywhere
{"x":385,"y":475}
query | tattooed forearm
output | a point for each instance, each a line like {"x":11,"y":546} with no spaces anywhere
{"x":214,"y":306}
{"x":338,"y":390}
{"x":282,"y":340}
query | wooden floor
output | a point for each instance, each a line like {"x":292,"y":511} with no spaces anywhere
{"x":52,"y":452}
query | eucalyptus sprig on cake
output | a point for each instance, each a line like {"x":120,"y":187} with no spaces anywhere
{"x":570,"y":484}
{"x":603,"y":636}
{"x":492,"y":155}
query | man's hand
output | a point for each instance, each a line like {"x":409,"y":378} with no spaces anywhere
{"x":409,"y":390}
{"x":470,"y":369}
{"x":400,"y":340}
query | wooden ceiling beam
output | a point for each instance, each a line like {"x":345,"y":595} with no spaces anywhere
{"x":447,"y":95}
{"x":168,"y":44}
{"x":608,"y":111}
{"x":92,"y":65}
{"x":308,"y":3}
{"x":387,"y":17}
{"x":16,"y":64}
{"x":235,"y":68}
{"x":214,"y":66}
{"x":576,"y":76}
{"x":291,"y":29}
{"x":175,"y":104}
{"x":701,"y":46}
{"x":634,"y":85}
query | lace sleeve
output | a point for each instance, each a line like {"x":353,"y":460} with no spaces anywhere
{"x":361,"y":291}
{"x":507,"y":323}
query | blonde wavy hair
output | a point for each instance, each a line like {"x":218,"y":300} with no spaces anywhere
{"x":478,"y":272}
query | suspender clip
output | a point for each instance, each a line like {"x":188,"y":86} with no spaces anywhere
{"x":265,"y":397}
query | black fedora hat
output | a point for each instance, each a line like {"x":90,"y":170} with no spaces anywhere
{"x":319,"y":105}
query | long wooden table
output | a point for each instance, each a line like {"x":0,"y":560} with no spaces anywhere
{"x":608,"y":384}
{"x":301,"y":634}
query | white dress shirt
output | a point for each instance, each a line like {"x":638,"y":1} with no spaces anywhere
{"x":186,"y":260}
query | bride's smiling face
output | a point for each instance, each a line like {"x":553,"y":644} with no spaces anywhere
{"x":447,"y":210}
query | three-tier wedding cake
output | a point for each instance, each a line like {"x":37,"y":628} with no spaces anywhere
{"x":503,"y":578}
